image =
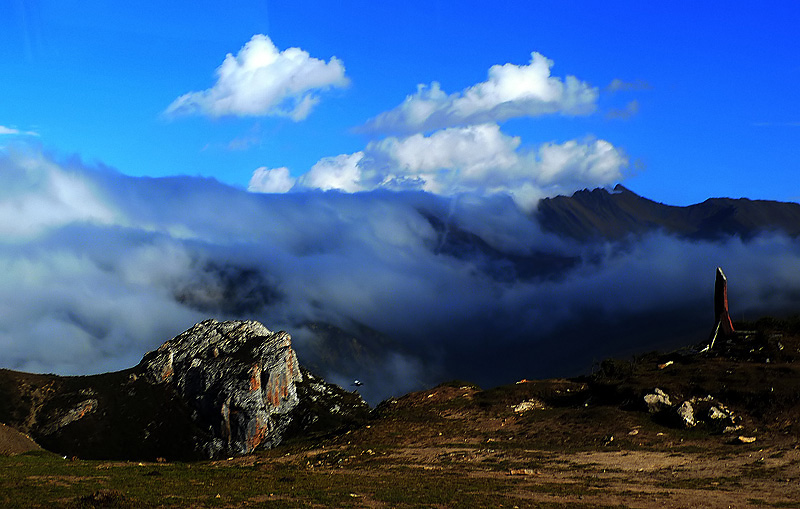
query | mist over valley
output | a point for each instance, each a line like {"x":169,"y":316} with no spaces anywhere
{"x":400,"y":290}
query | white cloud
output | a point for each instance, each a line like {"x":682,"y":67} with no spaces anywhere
{"x":562,"y":168}
{"x":510,"y":91}
{"x":261,"y":80}
{"x":14,"y":131}
{"x":341,"y":172}
{"x":275,"y":180}
{"x":478,"y":159}
{"x":573,"y":164}
{"x":480,"y":154}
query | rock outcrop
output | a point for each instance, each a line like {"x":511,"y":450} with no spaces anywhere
{"x":219,"y":389}
{"x":237,"y":378}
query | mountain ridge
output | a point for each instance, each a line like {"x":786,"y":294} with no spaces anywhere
{"x":599,"y":214}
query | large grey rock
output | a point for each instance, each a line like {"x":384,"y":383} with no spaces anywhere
{"x":706,"y":411}
{"x":686,"y":414}
{"x":657,"y":401}
{"x":237,"y":378}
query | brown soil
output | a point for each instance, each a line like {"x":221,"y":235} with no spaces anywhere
{"x":553,"y":463}
{"x":13,"y":442}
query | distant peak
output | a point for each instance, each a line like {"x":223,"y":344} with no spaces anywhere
{"x":598,"y":191}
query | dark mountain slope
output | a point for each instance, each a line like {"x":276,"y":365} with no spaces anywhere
{"x":600,"y":214}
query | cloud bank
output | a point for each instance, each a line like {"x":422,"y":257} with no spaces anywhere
{"x":398,"y":289}
{"x":37,"y":195}
{"x":510,"y":91}
{"x":262,"y":80}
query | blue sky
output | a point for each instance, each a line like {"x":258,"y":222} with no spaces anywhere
{"x":706,"y":101}
{"x":471,"y":103}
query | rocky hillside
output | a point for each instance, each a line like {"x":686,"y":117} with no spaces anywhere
{"x":219,"y":389}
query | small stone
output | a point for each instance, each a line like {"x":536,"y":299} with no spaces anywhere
{"x":529,"y":404}
{"x":716,"y":414}
{"x":521,"y":471}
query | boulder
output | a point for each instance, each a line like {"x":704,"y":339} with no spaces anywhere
{"x":237,"y":378}
{"x":704,"y":410}
{"x":657,"y":401}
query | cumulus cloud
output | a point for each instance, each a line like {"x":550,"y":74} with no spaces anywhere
{"x":477,"y":159}
{"x":262,"y":80}
{"x":271,"y":180}
{"x":340,"y":172}
{"x":510,"y":91}
{"x":398,"y":289}
{"x":572,"y":164}
{"x":480,"y":154}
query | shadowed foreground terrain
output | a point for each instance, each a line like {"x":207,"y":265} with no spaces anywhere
{"x":585,"y":442}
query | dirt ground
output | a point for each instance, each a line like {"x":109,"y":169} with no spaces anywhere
{"x":14,"y":442}
{"x":559,"y":457}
